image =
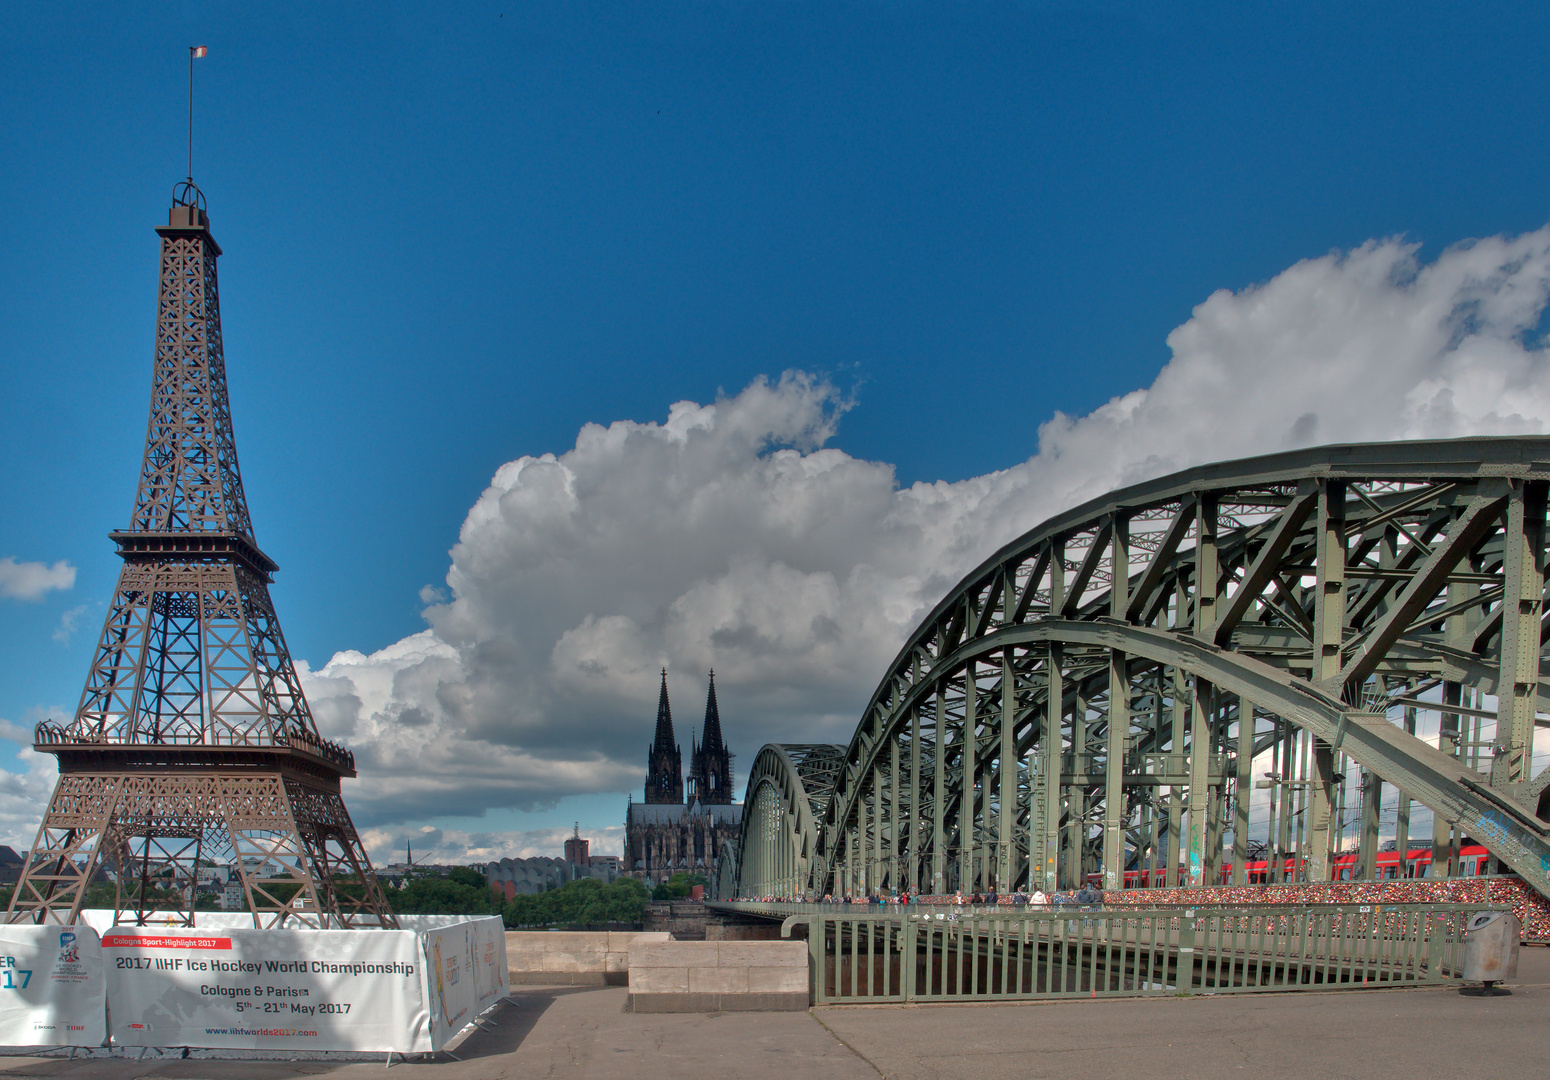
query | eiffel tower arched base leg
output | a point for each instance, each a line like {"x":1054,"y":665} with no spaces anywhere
{"x":297,"y":856}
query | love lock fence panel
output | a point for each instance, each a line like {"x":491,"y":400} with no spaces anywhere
{"x":988,"y":954}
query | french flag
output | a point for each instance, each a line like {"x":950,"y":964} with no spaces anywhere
{"x":198,"y":51}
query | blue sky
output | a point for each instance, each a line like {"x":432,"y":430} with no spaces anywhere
{"x":456,"y":235}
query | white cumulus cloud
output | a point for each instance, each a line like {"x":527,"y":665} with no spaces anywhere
{"x":68,"y":620}
{"x":33,"y":580}
{"x":732,"y":535}
{"x":25,"y":792}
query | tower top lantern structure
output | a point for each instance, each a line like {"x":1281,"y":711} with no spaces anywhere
{"x":193,"y":740}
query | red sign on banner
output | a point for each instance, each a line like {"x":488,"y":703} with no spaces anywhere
{"x":142,"y":941}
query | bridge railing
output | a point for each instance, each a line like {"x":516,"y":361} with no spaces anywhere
{"x":863,"y":955}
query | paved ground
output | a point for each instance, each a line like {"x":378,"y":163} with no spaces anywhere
{"x":1412,"y":1034}
{"x":582,"y":1032}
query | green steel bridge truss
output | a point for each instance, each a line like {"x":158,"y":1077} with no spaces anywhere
{"x":1104,"y":694}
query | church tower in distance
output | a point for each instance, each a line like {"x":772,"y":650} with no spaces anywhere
{"x":710,"y":764}
{"x":664,"y":762}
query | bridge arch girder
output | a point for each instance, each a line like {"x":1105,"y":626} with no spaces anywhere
{"x":1319,"y":590}
{"x":1505,"y":825}
{"x":788,"y":785}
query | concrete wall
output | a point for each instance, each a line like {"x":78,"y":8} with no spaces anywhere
{"x":684,"y":919}
{"x":718,"y":976}
{"x":571,"y":958}
{"x":763,"y":930}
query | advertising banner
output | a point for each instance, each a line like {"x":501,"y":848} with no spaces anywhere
{"x":267,"y":989}
{"x":465,"y":974}
{"x":490,"y":963}
{"x":52,"y":991}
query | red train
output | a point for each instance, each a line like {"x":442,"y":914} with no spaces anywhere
{"x":1473,"y":861}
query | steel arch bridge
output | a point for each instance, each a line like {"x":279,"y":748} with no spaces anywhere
{"x":789,"y":788}
{"x":1313,"y":625}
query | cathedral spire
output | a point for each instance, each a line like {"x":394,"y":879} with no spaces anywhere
{"x":710,"y":766}
{"x":664,"y":761}
{"x":664,"y":739}
{"x":711,"y":739}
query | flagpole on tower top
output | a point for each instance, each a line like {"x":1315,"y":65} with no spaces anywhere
{"x":194,"y":51}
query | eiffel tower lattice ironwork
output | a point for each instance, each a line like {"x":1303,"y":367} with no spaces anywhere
{"x":193,"y":744}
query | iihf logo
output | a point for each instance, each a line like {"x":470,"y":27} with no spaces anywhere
{"x":69,"y":951}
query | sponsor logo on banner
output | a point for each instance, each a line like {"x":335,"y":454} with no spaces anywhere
{"x":68,"y":968}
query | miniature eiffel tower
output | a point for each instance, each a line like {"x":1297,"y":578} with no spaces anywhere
{"x":193,"y":745}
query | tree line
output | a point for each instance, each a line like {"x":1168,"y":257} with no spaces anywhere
{"x":465,"y":891}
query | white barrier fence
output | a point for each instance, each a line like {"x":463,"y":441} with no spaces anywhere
{"x":51,"y":986}
{"x":223,"y":985}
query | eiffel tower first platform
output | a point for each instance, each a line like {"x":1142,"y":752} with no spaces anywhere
{"x":193,"y":745}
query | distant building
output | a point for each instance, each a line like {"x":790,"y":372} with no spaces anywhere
{"x":261,"y":868}
{"x":10,"y":865}
{"x":576,"y":848}
{"x":609,"y":864}
{"x":667,"y":833}
{"x":510,"y":878}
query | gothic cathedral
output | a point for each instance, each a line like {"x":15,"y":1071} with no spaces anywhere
{"x":668,"y":832}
